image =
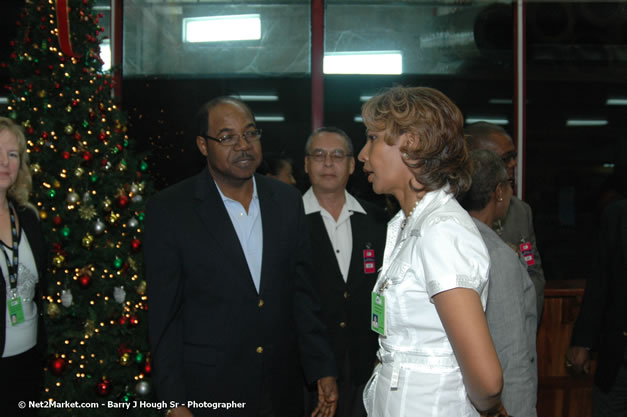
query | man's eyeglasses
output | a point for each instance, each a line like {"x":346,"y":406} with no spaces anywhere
{"x":320,"y":155}
{"x":231,"y":139}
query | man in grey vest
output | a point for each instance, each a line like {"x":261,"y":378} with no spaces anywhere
{"x":516,"y":229}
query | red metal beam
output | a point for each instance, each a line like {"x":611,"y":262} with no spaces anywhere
{"x":117,"y":28}
{"x":317,"y":56}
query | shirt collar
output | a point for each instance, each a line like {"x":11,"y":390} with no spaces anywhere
{"x":312,"y":206}
{"x":227,"y":199}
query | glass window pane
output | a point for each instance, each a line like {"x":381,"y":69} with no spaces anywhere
{"x":157,"y":42}
{"x":576,"y":143}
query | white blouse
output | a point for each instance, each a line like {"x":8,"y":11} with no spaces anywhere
{"x":439,"y":249}
{"x":23,"y":336}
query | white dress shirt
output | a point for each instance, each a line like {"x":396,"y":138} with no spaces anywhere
{"x":340,"y":232}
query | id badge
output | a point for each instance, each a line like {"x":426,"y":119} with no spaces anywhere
{"x":527,"y":253}
{"x":16,"y":312}
{"x":377,"y":317}
{"x":369,"y":263}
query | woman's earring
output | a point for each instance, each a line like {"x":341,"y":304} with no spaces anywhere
{"x":405,"y":155}
{"x":499,"y":199}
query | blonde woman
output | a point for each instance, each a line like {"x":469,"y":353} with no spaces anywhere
{"x":22,"y":266}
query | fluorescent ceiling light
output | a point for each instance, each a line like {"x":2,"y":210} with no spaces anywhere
{"x":365,"y":98}
{"x":4,"y":100}
{"x":608,"y":165}
{"x":222,"y":28}
{"x":500,"y":101}
{"x":375,"y":62}
{"x":105,"y":54}
{"x":616,"y":101}
{"x":270,"y":118}
{"x":585,"y":122}
{"x":257,"y":97}
{"x":358,"y":119}
{"x":493,"y":120}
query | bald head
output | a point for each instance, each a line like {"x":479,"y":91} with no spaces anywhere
{"x":483,"y":135}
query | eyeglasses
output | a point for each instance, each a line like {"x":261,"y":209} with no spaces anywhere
{"x":233,"y":138}
{"x":320,"y":155}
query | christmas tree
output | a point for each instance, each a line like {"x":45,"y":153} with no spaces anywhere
{"x":89,"y":188}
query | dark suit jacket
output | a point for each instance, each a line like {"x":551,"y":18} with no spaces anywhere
{"x":213,"y":337}
{"x":346,"y":305}
{"x":603,"y":316}
{"x":29,"y":224}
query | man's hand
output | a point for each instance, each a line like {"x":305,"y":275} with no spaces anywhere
{"x":180,"y":412}
{"x":327,"y":397}
{"x":577,"y":360}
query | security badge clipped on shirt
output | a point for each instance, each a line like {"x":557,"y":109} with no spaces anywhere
{"x":526,"y":251}
{"x":16,"y":312}
{"x":377,"y":324}
{"x":369,"y":262}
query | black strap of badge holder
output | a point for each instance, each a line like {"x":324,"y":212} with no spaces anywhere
{"x":12,"y":264}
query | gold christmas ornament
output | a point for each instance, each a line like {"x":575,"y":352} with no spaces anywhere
{"x":88,"y":241}
{"x":43,"y":214}
{"x":141,"y":288}
{"x":89,"y":328}
{"x":113,"y":217}
{"x":87,"y":212}
{"x":56,"y":184}
{"x":42,"y":93}
{"x":69,"y":129}
{"x":125,"y":358}
{"x":106,"y":204}
{"x":53,"y":310}
{"x":35,"y":169}
{"x":58,"y":260}
{"x":78,"y":172}
{"x":68,"y":109}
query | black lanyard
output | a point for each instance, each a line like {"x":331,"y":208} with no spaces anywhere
{"x":12,"y":264}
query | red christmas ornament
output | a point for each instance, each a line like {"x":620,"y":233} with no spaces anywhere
{"x":87,"y":156}
{"x":122,"y":320}
{"x":104,"y":162}
{"x":123,"y":201}
{"x":147,"y":367}
{"x":103,"y":387}
{"x":84,"y":281}
{"x":123,"y":348}
{"x":66,"y":155}
{"x":136,"y":245}
{"x":57,"y":220}
{"x":102,"y":136}
{"x":30,"y":130}
{"x":134,"y":321}
{"x":57,"y":366}
{"x":44,"y":135}
{"x":77,"y":136}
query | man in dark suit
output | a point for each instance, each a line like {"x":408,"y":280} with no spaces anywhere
{"x":347,"y":239}
{"x":602,"y":321}
{"x":516,"y":229}
{"x":233,"y":317}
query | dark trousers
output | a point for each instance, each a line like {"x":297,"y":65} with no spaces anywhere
{"x":614,"y":402}
{"x":22,"y":378}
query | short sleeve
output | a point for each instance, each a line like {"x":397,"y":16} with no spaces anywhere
{"x":453,"y":256}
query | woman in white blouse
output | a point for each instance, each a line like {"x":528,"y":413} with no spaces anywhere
{"x":437,"y":356}
{"x":22,"y":264}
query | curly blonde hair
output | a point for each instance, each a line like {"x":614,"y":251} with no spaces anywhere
{"x":439,"y":155}
{"x":19,"y":192}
